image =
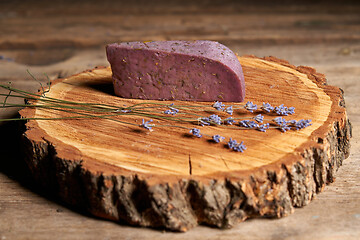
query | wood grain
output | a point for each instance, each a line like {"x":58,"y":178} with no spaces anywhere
{"x":227,"y":22}
{"x":175,"y":173}
{"x":167,"y":151}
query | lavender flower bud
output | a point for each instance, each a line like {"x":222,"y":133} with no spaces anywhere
{"x":229,"y":121}
{"x":240,"y":147}
{"x":215,"y":119}
{"x":232,"y":143}
{"x":196,"y":132}
{"x":248,"y":124}
{"x":263,"y":127}
{"x":217,"y":138}
{"x":259,"y":118}
{"x":302,"y":124}
{"x":229,"y":110}
{"x":218,"y":106}
{"x":146,"y":124}
{"x":251,"y":107}
{"x":267,"y":107}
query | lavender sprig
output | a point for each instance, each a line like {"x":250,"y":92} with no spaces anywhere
{"x":248,"y":124}
{"x":168,"y":111}
{"x":250,"y":106}
{"x":217,"y":138}
{"x":212,"y":119}
{"x":234,"y":145}
{"x":229,"y":121}
{"x":303,"y":123}
{"x":240,"y":147}
{"x":229,"y":110}
{"x":171,"y":110}
{"x":202,"y":122}
{"x":259,"y":118}
{"x":286,"y":125}
{"x":146,"y":124}
{"x":196,"y":132}
{"x":279,"y":110}
{"x":263,"y":127}
{"x":267,"y":107}
{"x":124,"y":110}
{"x":284,"y":111}
{"x":282,"y":124}
{"x":218,"y":106}
{"x":215,"y":119}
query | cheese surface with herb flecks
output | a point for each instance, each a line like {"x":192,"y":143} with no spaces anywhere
{"x":176,"y":70}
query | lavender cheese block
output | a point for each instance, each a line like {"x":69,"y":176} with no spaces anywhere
{"x":176,"y":70}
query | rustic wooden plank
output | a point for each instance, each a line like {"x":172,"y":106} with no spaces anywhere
{"x":26,"y":212}
{"x":71,"y":26}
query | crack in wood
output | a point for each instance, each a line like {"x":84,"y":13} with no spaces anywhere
{"x":224,"y":162}
{"x":190,"y":166}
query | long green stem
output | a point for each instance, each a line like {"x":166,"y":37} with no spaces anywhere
{"x":83,"y":110}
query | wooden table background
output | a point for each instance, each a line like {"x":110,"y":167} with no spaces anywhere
{"x":61,"y":38}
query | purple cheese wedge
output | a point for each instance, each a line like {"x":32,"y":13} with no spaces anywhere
{"x":176,"y":70}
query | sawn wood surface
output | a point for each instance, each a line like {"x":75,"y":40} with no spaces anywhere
{"x":166,"y":179}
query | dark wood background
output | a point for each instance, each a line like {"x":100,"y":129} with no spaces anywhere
{"x":60,"y":38}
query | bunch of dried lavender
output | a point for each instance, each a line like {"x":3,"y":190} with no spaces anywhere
{"x":191,"y":114}
{"x":257,"y":123}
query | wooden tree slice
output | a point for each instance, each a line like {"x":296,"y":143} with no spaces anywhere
{"x":168,"y":179}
